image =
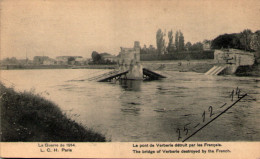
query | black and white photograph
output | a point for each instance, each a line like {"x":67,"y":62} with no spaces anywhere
{"x":130,"y":71}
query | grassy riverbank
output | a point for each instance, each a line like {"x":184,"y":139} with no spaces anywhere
{"x":199,"y":66}
{"x":29,"y":117}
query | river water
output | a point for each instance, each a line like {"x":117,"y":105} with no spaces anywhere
{"x":165,"y":110}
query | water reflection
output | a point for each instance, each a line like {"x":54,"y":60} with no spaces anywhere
{"x":131,"y":85}
{"x":131,"y":103}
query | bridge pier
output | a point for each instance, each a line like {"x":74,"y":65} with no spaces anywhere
{"x":130,"y":67}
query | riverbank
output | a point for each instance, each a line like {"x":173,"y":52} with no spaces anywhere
{"x":24,"y":67}
{"x":249,"y":71}
{"x":31,"y":118}
{"x":199,"y":66}
{"x":95,"y":67}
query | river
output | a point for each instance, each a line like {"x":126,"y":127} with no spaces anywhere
{"x":165,"y":110}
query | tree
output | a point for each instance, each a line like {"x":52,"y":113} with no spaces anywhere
{"x":152,"y":49}
{"x":255,"y":41}
{"x":197,"y":47}
{"x":255,"y":45}
{"x":95,"y":56}
{"x":181,"y":41}
{"x":170,"y":44}
{"x":226,"y":41}
{"x":177,"y":40}
{"x":160,"y":41}
{"x":11,"y":60}
{"x":206,"y":41}
{"x":188,"y":45}
{"x":245,"y":38}
{"x":237,"y":41}
{"x":71,"y":59}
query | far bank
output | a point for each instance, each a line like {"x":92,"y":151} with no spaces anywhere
{"x":199,"y":66}
{"x":24,"y":67}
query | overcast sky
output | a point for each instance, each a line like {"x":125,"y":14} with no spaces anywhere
{"x":78,"y":27}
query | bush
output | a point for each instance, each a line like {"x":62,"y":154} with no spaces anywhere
{"x":29,"y":117}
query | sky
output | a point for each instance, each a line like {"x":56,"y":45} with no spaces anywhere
{"x":78,"y":27}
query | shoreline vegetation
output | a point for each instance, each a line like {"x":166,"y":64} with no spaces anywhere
{"x":30,"y":118}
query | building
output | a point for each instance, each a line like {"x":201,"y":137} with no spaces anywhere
{"x":206,"y":45}
{"x":39,"y":60}
{"x":62,"y":60}
{"x":110,"y":58}
{"x":49,"y":61}
{"x":68,"y":60}
{"x":80,"y":61}
{"x":25,"y":61}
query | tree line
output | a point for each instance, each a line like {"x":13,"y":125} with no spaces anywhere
{"x":245,"y":40}
{"x":175,"y":43}
{"x":99,"y":58}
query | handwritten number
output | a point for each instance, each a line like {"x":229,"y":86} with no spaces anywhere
{"x":223,"y":105}
{"x":211,"y":111}
{"x":235,"y":92}
{"x":197,"y":125}
{"x":185,"y":129}
{"x":179,"y":133}
{"x":203,"y":116}
{"x":238,"y":92}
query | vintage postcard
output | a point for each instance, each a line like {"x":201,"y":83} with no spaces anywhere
{"x":130,"y":78}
